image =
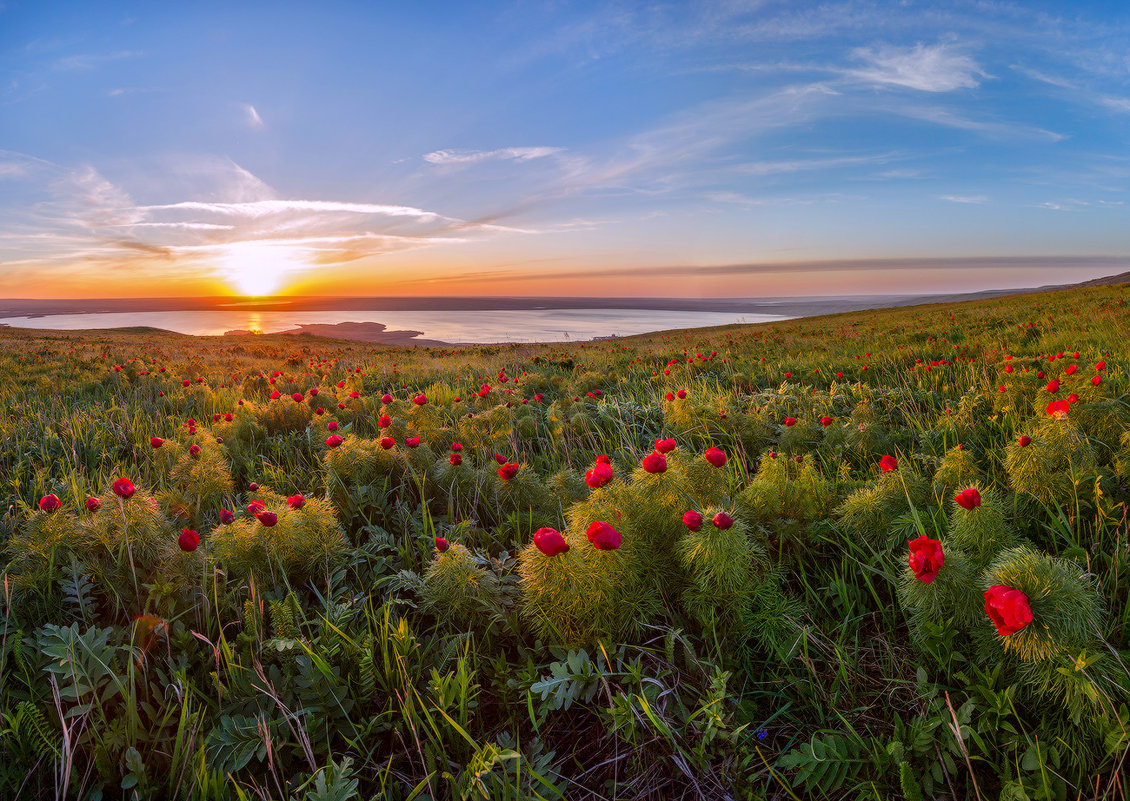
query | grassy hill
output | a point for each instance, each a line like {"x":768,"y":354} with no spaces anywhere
{"x":343,"y":571}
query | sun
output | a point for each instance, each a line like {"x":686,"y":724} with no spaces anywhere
{"x":256,"y":269}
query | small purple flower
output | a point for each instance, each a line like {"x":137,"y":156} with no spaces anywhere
{"x":762,"y":734}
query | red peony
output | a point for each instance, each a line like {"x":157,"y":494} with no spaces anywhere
{"x":124,"y":488}
{"x":1097,"y":380}
{"x":412,"y":442}
{"x":550,"y":542}
{"x":387,"y":442}
{"x":333,"y":425}
{"x":456,"y":447}
{"x":603,"y":537}
{"x":456,"y":459}
{"x":156,"y":442}
{"x":268,"y":519}
{"x":603,"y":459}
{"x":253,"y":486}
{"x":692,"y":519}
{"x":655,"y":463}
{"x":723,"y":520}
{"x":441,"y":544}
{"x":599,"y":475}
{"x":716,"y":456}
{"x":386,"y":399}
{"x":1008,"y":609}
{"x":93,"y":504}
{"x":256,"y":506}
{"x":49,"y":503}
{"x":193,"y":450}
{"x":189,"y":540}
{"x":1059,"y":408}
{"x":498,"y":457}
{"x":790,"y":421}
{"x":297,"y":397}
{"x":420,"y":399}
{"x":1100,"y":365}
{"x":926,"y":558}
{"x":888,"y":463}
{"x":384,"y":421}
{"x":333,"y":440}
{"x":296,"y":501}
{"x":665,"y":445}
{"x":226,"y":516}
{"x":825,"y":421}
{"x":968,"y":498}
{"x":1053,"y":386}
{"x":1024,"y":441}
{"x":508,"y":471}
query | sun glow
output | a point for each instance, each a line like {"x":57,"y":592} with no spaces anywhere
{"x":256,"y":269}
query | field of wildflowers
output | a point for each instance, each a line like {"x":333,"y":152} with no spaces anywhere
{"x":878,"y":555}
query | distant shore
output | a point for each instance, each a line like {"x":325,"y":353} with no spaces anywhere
{"x":376,"y":333}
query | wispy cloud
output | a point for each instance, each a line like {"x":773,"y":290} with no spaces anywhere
{"x":800,"y":165}
{"x":928,"y":68}
{"x":477,"y":156}
{"x":262,"y":208}
{"x":253,"y":118}
{"x":88,"y":61}
{"x":975,"y":199}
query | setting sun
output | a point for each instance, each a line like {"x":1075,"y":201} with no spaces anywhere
{"x":256,"y":269}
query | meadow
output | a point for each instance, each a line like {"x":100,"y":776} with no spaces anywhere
{"x":876,"y":555}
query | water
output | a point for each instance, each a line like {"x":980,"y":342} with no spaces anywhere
{"x":517,"y":325}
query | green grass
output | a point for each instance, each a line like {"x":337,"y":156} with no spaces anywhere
{"x":338,"y":655}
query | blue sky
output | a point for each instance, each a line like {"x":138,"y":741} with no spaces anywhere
{"x":546,"y":148}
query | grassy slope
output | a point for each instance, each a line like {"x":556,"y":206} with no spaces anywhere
{"x":839,"y":701}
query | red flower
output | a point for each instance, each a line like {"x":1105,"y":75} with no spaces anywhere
{"x":1024,"y":441}
{"x":297,"y":397}
{"x":888,"y":463}
{"x":333,"y":440}
{"x":193,"y":450}
{"x":441,"y":544}
{"x":124,"y":488}
{"x":93,"y":504}
{"x":268,"y":519}
{"x":227,"y":417}
{"x":1097,"y":380}
{"x":682,"y":393}
{"x":692,"y":519}
{"x":1053,"y":386}
{"x":968,"y":498}
{"x":387,"y":442}
{"x":456,"y":447}
{"x":498,"y":457}
{"x":332,"y":425}
{"x":384,"y":421}
{"x":665,"y":445}
{"x":655,"y":463}
{"x":1100,"y":365}
{"x":723,"y":520}
{"x":716,"y":456}
{"x":670,"y":395}
{"x":926,"y":558}
{"x":314,"y":390}
{"x":189,"y":540}
{"x":508,"y":471}
{"x":825,"y":421}
{"x":603,"y":459}
{"x":1008,"y":368}
{"x":600,"y":475}
{"x":550,"y":542}
{"x":185,"y":383}
{"x":156,"y":442}
{"x":1059,"y":408}
{"x":1071,"y":370}
{"x":790,"y":422}
{"x":276,"y":395}
{"x":226,"y":516}
{"x":412,"y":442}
{"x":256,"y":506}
{"x":49,"y":503}
{"x":253,"y":486}
{"x":296,"y":501}
{"x":420,"y":399}
{"x":456,"y":459}
{"x":1008,"y":608}
{"x":386,"y":399}
{"x":603,"y":536}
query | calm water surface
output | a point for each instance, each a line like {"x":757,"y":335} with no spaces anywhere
{"x":518,"y":325}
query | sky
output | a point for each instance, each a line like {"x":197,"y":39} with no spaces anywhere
{"x":729,"y":148}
